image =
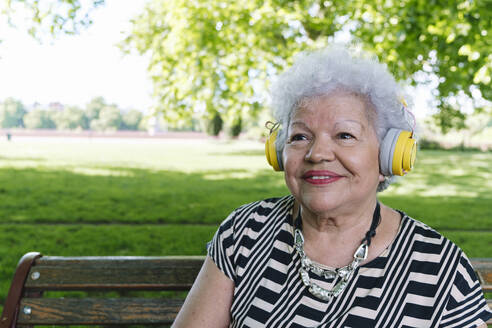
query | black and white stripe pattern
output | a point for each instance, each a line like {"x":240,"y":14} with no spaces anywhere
{"x":421,"y":280}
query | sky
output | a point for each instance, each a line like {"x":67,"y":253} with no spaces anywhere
{"x":74,"y":69}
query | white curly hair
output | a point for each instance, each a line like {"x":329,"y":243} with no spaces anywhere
{"x":318,"y":73}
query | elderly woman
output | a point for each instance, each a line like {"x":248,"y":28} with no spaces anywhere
{"x":330,"y":254}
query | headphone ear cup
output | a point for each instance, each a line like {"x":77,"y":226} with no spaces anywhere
{"x":397,"y":152}
{"x":386,"y":151}
{"x":280,"y":160}
{"x":409,"y":154}
{"x":274,"y":156}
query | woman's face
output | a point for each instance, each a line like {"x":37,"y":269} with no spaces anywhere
{"x":331,"y":154}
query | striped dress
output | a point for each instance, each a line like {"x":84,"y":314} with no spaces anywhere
{"x":421,"y":280}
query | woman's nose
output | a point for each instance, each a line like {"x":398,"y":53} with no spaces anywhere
{"x":320,"y":150}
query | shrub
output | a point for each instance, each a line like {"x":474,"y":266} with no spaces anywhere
{"x":236,"y":127}
{"x":429,"y":144}
{"x":214,"y":125}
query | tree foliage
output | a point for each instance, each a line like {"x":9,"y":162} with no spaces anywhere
{"x":214,"y":125}
{"x":97,"y":115}
{"x":71,"y":118}
{"x":12,"y":114}
{"x":109,"y":119}
{"x":131,"y":120}
{"x":236,"y":127}
{"x":47,"y":17}
{"x":449,"y":42}
{"x":39,"y":119}
{"x":209,"y":56}
{"x":94,"y":107}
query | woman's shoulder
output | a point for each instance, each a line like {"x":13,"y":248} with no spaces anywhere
{"x":438,"y":274}
{"x":421,"y":228}
{"x":426,"y":242}
{"x":262,"y":210}
{"x":248,"y":225}
{"x":428,"y":253}
{"x":250,"y":219}
{"x":268,"y":204}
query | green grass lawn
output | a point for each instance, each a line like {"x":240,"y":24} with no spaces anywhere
{"x":166,"y":197}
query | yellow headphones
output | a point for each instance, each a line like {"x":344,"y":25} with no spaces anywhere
{"x":397,"y":151}
{"x":273,"y":154}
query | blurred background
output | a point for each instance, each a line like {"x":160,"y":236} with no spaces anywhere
{"x":135,"y":127}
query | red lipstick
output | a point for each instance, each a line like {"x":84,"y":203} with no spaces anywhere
{"x":321,"y":177}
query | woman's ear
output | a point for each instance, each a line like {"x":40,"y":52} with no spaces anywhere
{"x":381,"y":177}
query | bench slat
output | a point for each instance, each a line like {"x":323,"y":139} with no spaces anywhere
{"x":483,"y":267}
{"x":105,"y":273}
{"x":94,"y":311}
{"x":104,"y":311}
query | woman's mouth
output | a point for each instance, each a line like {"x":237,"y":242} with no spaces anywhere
{"x":321,"y":177}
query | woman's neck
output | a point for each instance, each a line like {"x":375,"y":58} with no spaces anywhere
{"x":339,"y":221}
{"x":332,"y":239}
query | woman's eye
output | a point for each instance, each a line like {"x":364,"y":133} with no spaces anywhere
{"x":298,"y":137}
{"x":345,"y":136}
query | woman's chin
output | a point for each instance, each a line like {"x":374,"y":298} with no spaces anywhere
{"x":332,"y":203}
{"x":321,"y":204}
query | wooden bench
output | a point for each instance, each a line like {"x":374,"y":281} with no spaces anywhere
{"x":37,"y":275}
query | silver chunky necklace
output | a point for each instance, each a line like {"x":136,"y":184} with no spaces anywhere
{"x":344,"y":273}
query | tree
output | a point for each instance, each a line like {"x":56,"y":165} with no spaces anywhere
{"x":71,"y":118}
{"x":211,"y":56}
{"x":421,"y":41}
{"x":46,"y":17}
{"x":12,"y":114}
{"x":206,"y":56}
{"x":109,"y":119}
{"x":131,"y":120}
{"x":214,"y":124}
{"x":94,"y":107}
{"x":236,"y":127}
{"x":39,"y":119}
